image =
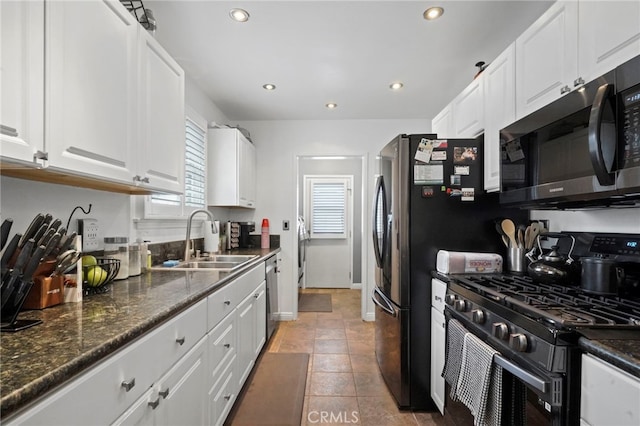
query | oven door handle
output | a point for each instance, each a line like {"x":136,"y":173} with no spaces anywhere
{"x":528,"y":378}
{"x":377,"y":294}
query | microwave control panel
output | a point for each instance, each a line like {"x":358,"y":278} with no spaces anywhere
{"x":631,"y":129}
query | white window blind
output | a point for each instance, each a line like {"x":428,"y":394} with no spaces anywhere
{"x":194,"y":169}
{"x":328,"y":208}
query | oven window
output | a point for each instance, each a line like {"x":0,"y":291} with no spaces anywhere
{"x":563,"y":149}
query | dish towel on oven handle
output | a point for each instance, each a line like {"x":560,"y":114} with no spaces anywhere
{"x":453,"y":354}
{"x":479,"y":385}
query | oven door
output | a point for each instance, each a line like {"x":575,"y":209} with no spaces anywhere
{"x":531,"y":396}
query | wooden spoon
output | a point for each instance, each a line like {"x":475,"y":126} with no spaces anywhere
{"x":509,"y":228}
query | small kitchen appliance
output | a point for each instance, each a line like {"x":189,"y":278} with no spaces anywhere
{"x":246,"y":228}
{"x":535,"y":326}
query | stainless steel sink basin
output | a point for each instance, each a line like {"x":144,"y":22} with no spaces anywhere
{"x":220,"y":262}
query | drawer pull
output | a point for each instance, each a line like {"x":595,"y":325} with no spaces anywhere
{"x":256,"y":295}
{"x":227,"y":302}
{"x":180,"y":340}
{"x":154,"y":404}
{"x":128,"y":384}
{"x":227,"y":345}
{"x":164,"y":393}
{"x":227,"y":397}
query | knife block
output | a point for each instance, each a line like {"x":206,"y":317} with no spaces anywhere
{"x":45,"y":292}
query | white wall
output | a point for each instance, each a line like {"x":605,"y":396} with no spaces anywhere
{"x":278,"y":143}
{"x":604,"y":220}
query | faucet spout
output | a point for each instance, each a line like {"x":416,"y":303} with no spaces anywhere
{"x":187,"y":254}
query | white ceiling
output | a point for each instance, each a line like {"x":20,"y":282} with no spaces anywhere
{"x":347,"y":52}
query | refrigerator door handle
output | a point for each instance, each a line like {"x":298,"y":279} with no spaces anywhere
{"x":379,"y":215}
{"x":377,"y":294}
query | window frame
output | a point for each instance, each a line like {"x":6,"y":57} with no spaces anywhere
{"x":309,"y":182}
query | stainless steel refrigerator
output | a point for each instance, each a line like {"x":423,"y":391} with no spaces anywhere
{"x":429,"y":196}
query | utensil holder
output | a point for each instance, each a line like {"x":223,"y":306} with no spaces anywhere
{"x":516,"y":260}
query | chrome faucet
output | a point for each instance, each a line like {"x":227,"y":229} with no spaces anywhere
{"x":187,"y":240}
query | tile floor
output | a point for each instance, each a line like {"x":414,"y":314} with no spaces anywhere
{"x":344,"y":385}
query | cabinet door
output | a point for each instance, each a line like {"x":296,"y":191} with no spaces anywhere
{"x":162,"y":119}
{"x":437,"y":358}
{"x":90,"y":88}
{"x":602,"y":50}
{"x":608,"y":395}
{"x":500,"y":101}
{"x":140,"y":412}
{"x":468,"y":110}
{"x":21,"y":79}
{"x":182,"y":391}
{"x":260,"y":309}
{"x":442,"y":124}
{"x":546,"y":58}
{"x":246,"y":339}
{"x":247,"y":172}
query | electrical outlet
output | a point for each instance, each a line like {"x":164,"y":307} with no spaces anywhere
{"x":89,"y":230}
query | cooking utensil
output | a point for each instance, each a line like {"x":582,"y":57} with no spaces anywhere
{"x":42,"y":231}
{"x":9,"y":288}
{"x":52,"y":244}
{"x":27,"y":275}
{"x":601,"y":275}
{"x":528,"y":242}
{"x":521,"y":229}
{"x":509,"y":229}
{"x":47,"y":218}
{"x":552,"y":267}
{"x":46,"y":237}
{"x":4,"y":232}
{"x":65,"y":243}
{"x":503,"y":236}
{"x":33,"y":227}
{"x":55,"y":224}
{"x":65,"y":261}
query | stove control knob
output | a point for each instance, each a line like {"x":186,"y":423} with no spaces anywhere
{"x":461,"y":305}
{"x":501,"y":330}
{"x":449,"y":299}
{"x":478,"y":316}
{"x":518,"y":342}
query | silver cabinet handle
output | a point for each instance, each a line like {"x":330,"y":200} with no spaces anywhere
{"x":227,"y":302}
{"x":164,"y":393}
{"x":578,"y":81}
{"x":180,"y":340}
{"x":256,"y":295}
{"x":145,"y":180}
{"x":128,"y":384}
{"x":154,"y":404}
{"x":227,"y":345}
{"x":137,"y":178}
{"x":227,"y":397}
{"x":564,"y":90}
{"x":8,"y":130}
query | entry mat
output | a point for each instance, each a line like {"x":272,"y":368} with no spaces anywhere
{"x":314,"y":302}
{"x":275,"y":395}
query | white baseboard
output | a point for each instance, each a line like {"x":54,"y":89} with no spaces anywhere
{"x":356,"y":286}
{"x":285,"y":316}
{"x":369,"y":316}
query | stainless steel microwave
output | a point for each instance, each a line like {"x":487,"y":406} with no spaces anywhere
{"x":580,"y":151}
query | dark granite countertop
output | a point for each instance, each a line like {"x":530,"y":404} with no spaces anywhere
{"x":617,"y":347}
{"x":75,"y":336}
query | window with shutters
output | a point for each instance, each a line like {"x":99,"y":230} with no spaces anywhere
{"x":327,"y":201}
{"x":171,"y":205}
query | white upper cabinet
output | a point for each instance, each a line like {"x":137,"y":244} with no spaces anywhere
{"x":500,"y":102}
{"x":547,"y":58}
{"x":90,"y":109}
{"x":21,"y":80}
{"x":442,"y":124}
{"x":609,"y":35}
{"x":231,"y":169}
{"x":162,"y":122}
{"x":468,"y":110}
{"x":572,"y":43}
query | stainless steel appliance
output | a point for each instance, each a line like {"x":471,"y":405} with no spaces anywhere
{"x":303,"y":238}
{"x":272,"y":272}
{"x":246,"y":228}
{"x":429,"y":196}
{"x":535,"y":326}
{"x":579,"y":151}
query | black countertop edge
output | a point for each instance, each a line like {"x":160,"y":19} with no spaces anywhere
{"x":13,"y":401}
{"x":622,"y":353}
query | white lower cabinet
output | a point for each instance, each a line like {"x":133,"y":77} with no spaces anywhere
{"x":608,"y":395}
{"x":185,"y":372}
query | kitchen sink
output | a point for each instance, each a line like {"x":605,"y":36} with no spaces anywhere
{"x":220,"y":262}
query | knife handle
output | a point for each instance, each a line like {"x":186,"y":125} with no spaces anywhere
{"x":5,"y":261}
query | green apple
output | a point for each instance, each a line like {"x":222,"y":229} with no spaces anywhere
{"x":95,"y":276}
{"x":88,"y":260}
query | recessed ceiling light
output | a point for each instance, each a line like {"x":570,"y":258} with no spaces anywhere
{"x":331,"y":105}
{"x":269,"y":86}
{"x":433,"y":13}
{"x":396,"y":86}
{"x":239,"y":15}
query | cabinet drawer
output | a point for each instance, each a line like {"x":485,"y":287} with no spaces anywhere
{"x":248,"y":282}
{"x":222,"y":397}
{"x":222,"y":346}
{"x":438,"y":291}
